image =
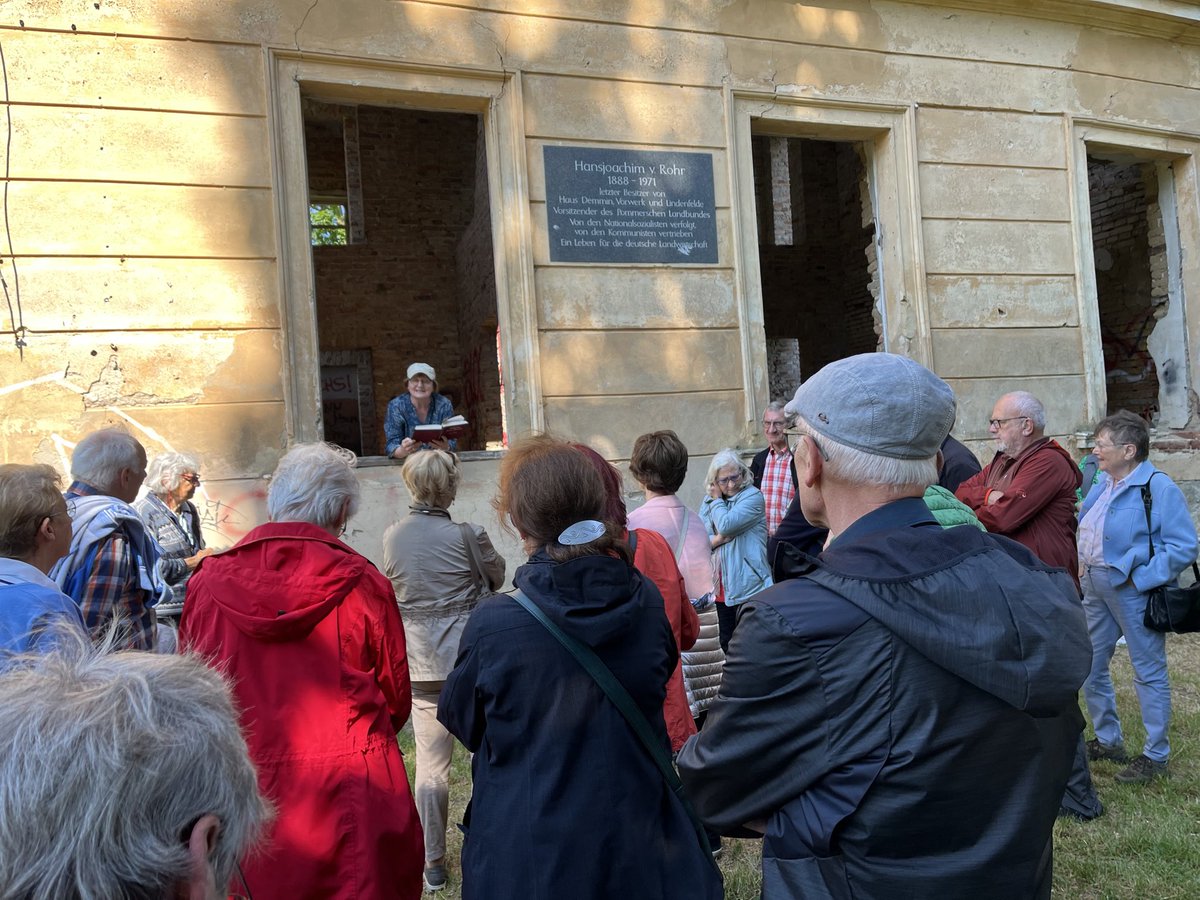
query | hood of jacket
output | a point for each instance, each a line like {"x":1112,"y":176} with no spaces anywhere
{"x":595,"y":599}
{"x":979,"y":605}
{"x":279,"y":581}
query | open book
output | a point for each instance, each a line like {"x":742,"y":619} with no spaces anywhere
{"x":453,"y":427}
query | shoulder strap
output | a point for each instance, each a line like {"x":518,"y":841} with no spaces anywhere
{"x":474,"y":557}
{"x":683,"y":529}
{"x":1147,"y":502}
{"x":616,"y":692}
{"x":632,"y":541}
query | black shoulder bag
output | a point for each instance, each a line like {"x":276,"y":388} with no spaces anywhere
{"x":616,"y":692}
{"x":1170,"y":607}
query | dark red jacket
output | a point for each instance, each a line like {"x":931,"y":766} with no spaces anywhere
{"x":655,"y":559}
{"x":310,"y":634}
{"x":1037,"y":508}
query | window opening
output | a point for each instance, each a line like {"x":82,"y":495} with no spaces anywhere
{"x":1135,"y":245}
{"x":327,"y":223}
{"x":817,"y":255}
{"x":420,"y":285}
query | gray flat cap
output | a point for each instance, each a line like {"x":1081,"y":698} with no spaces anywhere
{"x":879,"y":403}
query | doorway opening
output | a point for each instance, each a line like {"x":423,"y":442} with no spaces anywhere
{"x":817,"y":255}
{"x":403,"y":268}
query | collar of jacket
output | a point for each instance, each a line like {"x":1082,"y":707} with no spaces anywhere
{"x":428,"y":511}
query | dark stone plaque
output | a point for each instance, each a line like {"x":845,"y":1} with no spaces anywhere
{"x":630,"y":206}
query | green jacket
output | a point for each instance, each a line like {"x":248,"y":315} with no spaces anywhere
{"x":948,"y":510}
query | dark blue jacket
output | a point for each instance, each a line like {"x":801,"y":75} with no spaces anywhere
{"x":901,"y":714}
{"x":566,"y":802}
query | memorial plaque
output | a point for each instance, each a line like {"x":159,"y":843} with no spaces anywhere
{"x":630,"y":206}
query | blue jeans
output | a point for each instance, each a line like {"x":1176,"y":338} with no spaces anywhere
{"x":1114,"y":609}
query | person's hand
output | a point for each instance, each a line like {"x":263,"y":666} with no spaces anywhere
{"x":441,"y":444}
{"x":407,"y":446}
{"x":717,"y":540}
{"x":193,"y":561}
{"x":993,"y":497}
{"x":714,"y":491}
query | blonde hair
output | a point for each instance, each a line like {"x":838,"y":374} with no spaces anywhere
{"x":28,"y":494}
{"x":431,"y":476}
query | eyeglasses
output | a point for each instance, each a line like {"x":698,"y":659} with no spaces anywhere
{"x":729,"y":479}
{"x":774,"y":426}
{"x":996,"y":423}
{"x":190,"y":477}
{"x":794,"y":435}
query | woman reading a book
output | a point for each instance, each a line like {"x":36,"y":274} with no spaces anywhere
{"x":421,"y":406}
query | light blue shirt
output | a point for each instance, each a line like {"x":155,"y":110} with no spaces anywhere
{"x":33,"y":611}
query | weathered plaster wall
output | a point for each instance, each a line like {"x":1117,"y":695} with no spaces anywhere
{"x":144,"y":205}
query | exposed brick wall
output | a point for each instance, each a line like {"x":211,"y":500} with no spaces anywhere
{"x":400,"y":293}
{"x":1131,"y":278}
{"x":820,"y":290}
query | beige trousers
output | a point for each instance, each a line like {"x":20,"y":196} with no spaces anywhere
{"x":435,"y":748}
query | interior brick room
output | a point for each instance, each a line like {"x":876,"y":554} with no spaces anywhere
{"x":417,"y":283}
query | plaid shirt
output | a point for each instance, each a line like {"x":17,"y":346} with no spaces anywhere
{"x":777,"y":486}
{"x":112,"y":590}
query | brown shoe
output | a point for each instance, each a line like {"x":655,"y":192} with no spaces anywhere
{"x":1114,"y":753}
{"x":1142,"y":770}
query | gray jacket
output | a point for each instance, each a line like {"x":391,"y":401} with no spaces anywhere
{"x":425,"y":556}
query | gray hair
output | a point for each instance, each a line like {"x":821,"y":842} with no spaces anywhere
{"x":854,"y":466}
{"x":312,"y":483}
{"x":99,"y":458}
{"x":728,"y":457}
{"x":106,"y":762}
{"x":167,"y":470}
{"x":1028,"y":406}
{"x":778,"y":406}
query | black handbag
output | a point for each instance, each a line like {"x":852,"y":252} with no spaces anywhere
{"x":1170,"y":607}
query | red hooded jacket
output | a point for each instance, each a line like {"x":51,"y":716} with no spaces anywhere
{"x":309,"y":632}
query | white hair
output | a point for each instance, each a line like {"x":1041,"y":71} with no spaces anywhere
{"x":167,"y":470}
{"x":1025,"y":404}
{"x":107,"y":760}
{"x":99,"y":458}
{"x":854,"y":466}
{"x":313,"y":483}
{"x":728,"y":457}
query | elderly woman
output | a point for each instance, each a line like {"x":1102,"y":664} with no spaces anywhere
{"x":659,"y":464}
{"x":736,"y":517}
{"x":172,"y":518}
{"x":308,"y":631}
{"x":421,"y":405}
{"x":567,"y":802}
{"x":439,"y":570}
{"x":1135,"y":533}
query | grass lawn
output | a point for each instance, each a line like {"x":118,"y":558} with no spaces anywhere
{"x":1145,"y":847}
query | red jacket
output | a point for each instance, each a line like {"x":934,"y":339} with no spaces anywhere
{"x":1038,"y":505}
{"x":310,"y":634}
{"x":654,"y":558}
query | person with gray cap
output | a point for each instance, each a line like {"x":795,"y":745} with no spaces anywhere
{"x":421,"y":404}
{"x":898,"y":716}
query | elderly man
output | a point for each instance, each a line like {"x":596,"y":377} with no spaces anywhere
{"x":899,"y":716}
{"x":1027,"y":491}
{"x":35,"y":531}
{"x":110,"y":570}
{"x":772,"y":467}
{"x":122,"y":775}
